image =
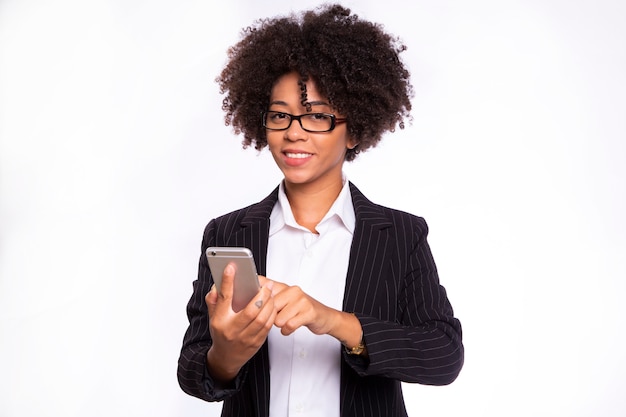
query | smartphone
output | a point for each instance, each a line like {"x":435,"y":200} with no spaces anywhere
{"x":246,"y":279}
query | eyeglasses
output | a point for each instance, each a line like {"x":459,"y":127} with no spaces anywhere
{"x":311,"y":122}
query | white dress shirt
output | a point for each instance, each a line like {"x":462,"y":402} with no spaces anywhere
{"x":304,"y":367}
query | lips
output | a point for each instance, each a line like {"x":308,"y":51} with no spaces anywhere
{"x":296,"y":157}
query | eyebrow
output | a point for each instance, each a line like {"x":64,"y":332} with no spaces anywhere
{"x":312,"y":103}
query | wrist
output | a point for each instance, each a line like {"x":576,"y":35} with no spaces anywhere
{"x":218,"y":368}
{"x":357,"y":348}
{"x":349,"y":332}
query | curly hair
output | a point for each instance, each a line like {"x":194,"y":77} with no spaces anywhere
{"x":354,"y":63}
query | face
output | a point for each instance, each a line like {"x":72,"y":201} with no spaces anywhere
{"x":306,"y":159}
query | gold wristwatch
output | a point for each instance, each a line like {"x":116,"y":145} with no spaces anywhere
{"x":358,"y":349}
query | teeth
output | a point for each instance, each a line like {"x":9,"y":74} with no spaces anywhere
{"x":298,"y":155}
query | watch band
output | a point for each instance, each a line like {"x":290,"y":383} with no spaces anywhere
{"x":356,"y":350}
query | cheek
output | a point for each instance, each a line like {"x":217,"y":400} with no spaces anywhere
{"x":272,"y":141}
{"x":339,"y":152}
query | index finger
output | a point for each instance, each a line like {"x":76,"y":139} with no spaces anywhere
{"x":276,"y":286}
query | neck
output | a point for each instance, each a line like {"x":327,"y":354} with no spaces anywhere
{"x":309,"y":206}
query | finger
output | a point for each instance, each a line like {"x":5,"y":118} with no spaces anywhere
{"x":259,"y":328}
{"x":260,"y":309}
{"x":294,"y":309}
{"x":228,"y":282}
{"x":308,"y":312}
{"x":263,"y":280}
{"x":264,"y":294}
{"x":286,"y":331}
{"x":277,"y":286}
{"x":286,"y":310}
{"x":211,"y":301}
{"x":292,"y":317}
{"x":269,"y":314}
{"x":268,"y":285}
{"x":291,"y":324}
{"x":284,"y":300}
{"x":211,"y":296}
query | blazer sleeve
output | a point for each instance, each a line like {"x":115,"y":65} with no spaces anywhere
{"x":193,"y":376}
{"x":409,"y":330}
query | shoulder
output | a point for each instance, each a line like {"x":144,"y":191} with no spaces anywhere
{"x":250,"y":214}
{"x":400,"y":220}
{"x":235,"y":215}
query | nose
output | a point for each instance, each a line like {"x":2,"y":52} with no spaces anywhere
{"x":295,"y":132}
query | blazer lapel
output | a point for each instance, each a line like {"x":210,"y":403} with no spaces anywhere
{"x":367,"y":254}
{"x":254,"y":230}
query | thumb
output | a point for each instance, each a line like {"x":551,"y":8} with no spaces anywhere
{"x":227,"y":288}
{"x":211,"y":300}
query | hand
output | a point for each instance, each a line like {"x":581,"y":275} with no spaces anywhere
{"x":296,"y":309}
{"x":236,"y":336}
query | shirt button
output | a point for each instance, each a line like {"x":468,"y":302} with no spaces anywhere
{"x":302,"y":354}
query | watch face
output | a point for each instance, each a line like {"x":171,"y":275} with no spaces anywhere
{"x":357,"y":350}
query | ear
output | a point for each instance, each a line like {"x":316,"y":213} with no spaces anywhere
{"x":352,"y":143}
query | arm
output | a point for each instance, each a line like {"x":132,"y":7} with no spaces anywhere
{"x":418,"y":339}
{"x":193,"y":375}
{"x":404,"y":315}
{"x":219,"y":342}
{"x":296,"y":309}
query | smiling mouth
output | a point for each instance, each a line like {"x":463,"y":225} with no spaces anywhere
{"x":297,"y":155}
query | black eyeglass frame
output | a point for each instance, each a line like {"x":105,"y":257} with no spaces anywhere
{"x":334,"y":121}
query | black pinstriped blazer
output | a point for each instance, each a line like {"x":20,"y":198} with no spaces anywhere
{"x":392,"y":286}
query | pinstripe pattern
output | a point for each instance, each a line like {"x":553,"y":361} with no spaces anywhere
{"x":392,"y":286}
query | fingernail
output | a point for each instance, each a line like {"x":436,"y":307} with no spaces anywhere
{"x":229,"y":269}
{"x":270,"y":285}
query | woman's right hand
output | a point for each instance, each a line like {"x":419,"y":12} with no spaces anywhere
{"x":236,"y":336}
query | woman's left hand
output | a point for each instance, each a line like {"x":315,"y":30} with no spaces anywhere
{"x":295,"y":309}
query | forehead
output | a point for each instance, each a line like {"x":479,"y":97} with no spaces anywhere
{"x":289,"y":86}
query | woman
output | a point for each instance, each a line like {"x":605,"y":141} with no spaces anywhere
{"x":353,"y":306}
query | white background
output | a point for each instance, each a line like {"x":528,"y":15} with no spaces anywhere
{"x":114,"y":155}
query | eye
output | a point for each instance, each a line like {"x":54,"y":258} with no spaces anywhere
{"x":277,"y":116}
{"x":318,"y":117}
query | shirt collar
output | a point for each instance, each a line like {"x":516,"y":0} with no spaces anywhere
{"x":342,"y":210}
